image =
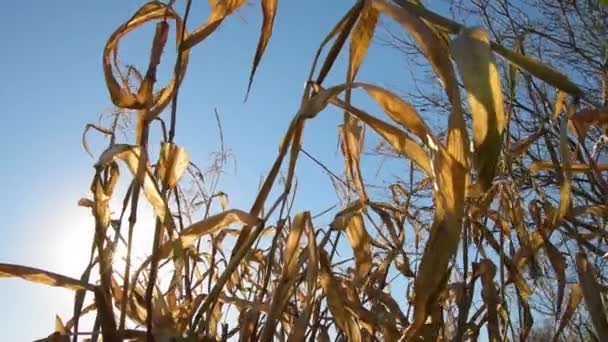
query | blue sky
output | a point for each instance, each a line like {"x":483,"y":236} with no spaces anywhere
{"x":53,"y":85}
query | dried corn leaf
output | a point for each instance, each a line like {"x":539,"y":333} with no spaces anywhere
{"x":487,"y":270}
{"x":576,"y":295}
{"x":343,"y":33}
{"x":172,"y":164}
{"x":361,"y":38}
{"x":210,"y":225}
{"x":288,"y":276}
{"x":218,"y":13}
{"x":401,"y":112}
{"x":269,"y":11}
{"x":344,"y":319}
{"x":566,"y":186}
{"x":432,"y":47}
{"x":301,"y":323}
{"x":131,"y":156}
{"x":360,"y":242}
{"x":398,"y":139}
{"x":574,"y":167}
{"x":135,"y":309}
{"x":560,"y":98}
{"x":123,"y":97}
{"x":592,"y":295}
{"x":540,"y":70}
{"x":43,"y":277}
{"x":584,"y":118}
{"x":558,"y":262}
{"x":444,"y":236}
{"x":599,"y":210}
{"x":523,"y":145}
{"x":475,"y":60}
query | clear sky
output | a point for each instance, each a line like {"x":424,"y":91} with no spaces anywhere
{"x":53,"y":85}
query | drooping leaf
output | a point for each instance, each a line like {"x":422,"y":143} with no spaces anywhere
{"x":288,"y":276}
{"x":269,"y":11}
{"x":487,"y":270}
{"x":344,"y":319}
{"x":584,"y":118}
{"x":576,"y":295}
{"x":565,"y":191}
{"x":478,"y":69}
{"x":219,"y":12}
{"x":360,"y":242}
{"x":592,"y":295}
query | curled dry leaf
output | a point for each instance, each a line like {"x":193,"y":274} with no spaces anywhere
{"x":172,"y":164}
{"x":122,"y":97}
{"x":478,"y":69}
{"x":43,"y":277}
{"x":522,"y":146}
{"x":565,"y":191}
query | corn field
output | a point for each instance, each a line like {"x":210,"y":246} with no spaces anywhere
{"x":470,"y":271}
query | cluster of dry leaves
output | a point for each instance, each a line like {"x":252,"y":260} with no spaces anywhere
{"x":295,"y":289}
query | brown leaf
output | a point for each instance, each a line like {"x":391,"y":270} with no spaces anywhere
{"x":475,"y":60}
{"x":269,"y":11}
{"x":576,"y":295}
{"x":584,"y":118}
{"x":565,"y":191}
{"x":344,"y":319}
{"x":219,"y":12}
{"x":288,"y":276}
{"x":523,"y":145}
{"x":487,"y":270}
{"x":558,"y":262}
{"x":42,"y":277}
{"x":592,"y":295}
{"x":360,"y":242}
{"x":123,"y":97}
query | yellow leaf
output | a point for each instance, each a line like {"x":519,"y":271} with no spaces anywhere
{"x":269,"y":10}
{"x":398,"y":139}
{"x":547,"y":165}
{"x":172,"y":164}
{"x":560,"y":98}
{"x":566,"y":186}
{"x":471,"y":51}
{"x":43,"y":277}
{"x":401,"y":112}
{"x":361,"y":38}
{"x":539,"y":70}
